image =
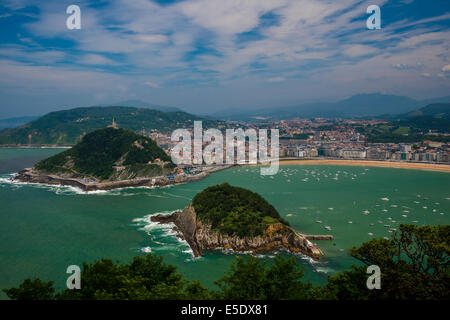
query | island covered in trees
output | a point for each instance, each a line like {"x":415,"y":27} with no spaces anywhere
{"x":105,"y":159}
{"x":235,"y":211}
{"x":109,"y":154}
{"x":229,"y":217}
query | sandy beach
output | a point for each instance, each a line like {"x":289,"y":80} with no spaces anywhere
{"x":405,"y":165}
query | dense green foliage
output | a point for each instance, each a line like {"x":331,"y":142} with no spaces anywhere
{"x":255,"y":279}
{"x":67,"y":127}
{"x":233,"y":210}
{"x":146,"y":277}
{"x":414,"y":264}
{"x":412,"y":127}
{"x":426,"y":123}
{"x":32,"y":290}
{"x":97,"y":153}
{"x":436,"y":110}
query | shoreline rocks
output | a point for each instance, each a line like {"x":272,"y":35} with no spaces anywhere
{"x":33,"y":176}
{"x":200,"y":237}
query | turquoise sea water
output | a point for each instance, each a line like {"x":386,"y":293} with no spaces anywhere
{"x":44,"y":229}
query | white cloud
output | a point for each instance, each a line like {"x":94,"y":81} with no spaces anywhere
{"x":35,"y":56}
{"x":276,"y":79}
{"x":152,"y":38}
{"x":359,"y":50}
{"x":96,"y":59}
{"x":15,"y":4}
{"x":230,"y":16}
{"x":152,"y":84}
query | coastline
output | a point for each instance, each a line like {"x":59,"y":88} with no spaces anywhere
{"x":35,"y":146}
{"x":31,"y":176}
{"x":370,"y":163}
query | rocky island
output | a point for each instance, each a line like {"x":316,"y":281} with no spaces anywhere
{"x":228,"y":217}
{"x":107,"y":159}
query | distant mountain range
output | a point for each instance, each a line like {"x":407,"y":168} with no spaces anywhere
{"x":19,"y":121}
{"x":142,"y":104}
{"x":361,"y":105}
{"x":67,"y":127}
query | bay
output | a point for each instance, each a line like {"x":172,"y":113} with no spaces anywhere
{"x":44,"y":229}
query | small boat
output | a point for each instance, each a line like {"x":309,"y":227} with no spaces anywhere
{"x":328,"y":227}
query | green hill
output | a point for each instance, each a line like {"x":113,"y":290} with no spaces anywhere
{"x":437,"y":110}
{"x":109,"y":154}
{"x":431,"y":117}
{"x":67,"y":127}
{"x":235,"y":211}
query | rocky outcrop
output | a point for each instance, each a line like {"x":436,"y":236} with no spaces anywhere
{"x":200,"y":237}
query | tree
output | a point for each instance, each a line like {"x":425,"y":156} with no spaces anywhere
{"x":144,"y":278}
{"x":255,"y":279}
{"x":414,"y":265}
{"x":32,"y":290}
{"x":345,"y":285}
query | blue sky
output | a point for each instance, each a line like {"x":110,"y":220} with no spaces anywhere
{"x":215,"y":55}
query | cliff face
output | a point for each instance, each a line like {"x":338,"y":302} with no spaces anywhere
{"x":200,"y":237}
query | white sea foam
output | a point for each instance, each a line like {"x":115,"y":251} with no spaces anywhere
{"x":56,"y":188}
{"x":72,"y":190}
{"x":167,"y":231}
{"x":324,"y":270}
{"x":146,"y":249}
